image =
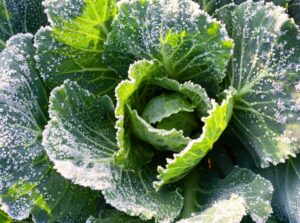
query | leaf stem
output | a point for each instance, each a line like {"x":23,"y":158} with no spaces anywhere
{"x":190,"y":198}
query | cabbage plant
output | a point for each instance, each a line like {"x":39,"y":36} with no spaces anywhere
{"x":149,"y":111}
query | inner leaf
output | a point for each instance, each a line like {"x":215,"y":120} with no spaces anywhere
{"x":164,"y":106}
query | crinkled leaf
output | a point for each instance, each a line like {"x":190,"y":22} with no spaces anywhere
{"x":194,"y":92}
{"x":28,"y":185}
{"x":111,"y":216}
{"x":80,"y":137}
{"x":172,"y":140}
{"x":72,"y":47}
{"x":186,"y":41}
{"x":265,"y":71}
{"x":132,"y":154}
{"x":144,"y":77}
{"x":81,"y":24}
{"x":164,"y":106}
{"x":292,"y":6}
{"x":286,"y":182}
{"x":18,"y":16}
{"x":135,"y":195}
{"x":214,"y":125}
{"x":251,"y":192}
{"x":224,"y":211}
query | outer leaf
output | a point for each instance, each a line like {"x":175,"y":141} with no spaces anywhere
{"x":172,"y":140}
{"x":225,"y":211}
{"x":214,"y":125}
{"x":4,"y":217}
{"x":135,"y":195}
{"x":28,"y":184}
{"x":111,"y":216}
{"x":185,"y":40}
{"x":211,"y":5}
{"x":81,"y":24}
{"x":286,"y":181}
{"x":250,"y":192}
{"x":294,"y":8}
{"x":72,"y":47}
{"x":265,"y":71}
{"x":20,"y":16}
{"x":80,"y":137}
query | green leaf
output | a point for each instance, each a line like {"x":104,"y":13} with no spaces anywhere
{"x":20,"y":16}
{"x":164,"y":106}
{"x":172,"y":140}
{"x":265,"y":71}
{"x":28,"y":185}
{"x":228,"y":200}
{"x":294,"y":8}
{"x":135,"y":195}
{"x":72,"y":47}
{"x":194,"y":92}
{"x":81,"y":24}
{"x":211,"y":5}
{"x":214,"y":125}
{"x":132,"y":154}
{"x":231,"y":210}
{"x":145,"y":77}
{"x":186,"y":41}
{"x":286,"y":182}
{"x":4,"y":218}
{"x":184,"y":121}
{"x":110,"y":216}
{"x":80,"y":137}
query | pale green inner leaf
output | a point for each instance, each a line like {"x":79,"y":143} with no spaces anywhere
{"x":172,"y":140}
{"x":214,"y":125}
{"x":164,"y":106}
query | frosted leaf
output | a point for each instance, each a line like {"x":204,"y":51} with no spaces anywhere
{"x":112,"y":215}
{"x":286,"y":182}
{"x":214,"y":125}
{"x":224,"y":211}
{"x":185,"y":40}
{"x":162,"y":139}
{"x":80,"y":137}
{"x":194,"y":92}
{"x":20,"y":16}
{"x":133,"y":131}
{"x":28,"y":185}
{"x":264,"y":69}
{"x":251,"y":192}
{"x":72,"y":47}
{"x":134,"y":195}
{"x":132,"y":154}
